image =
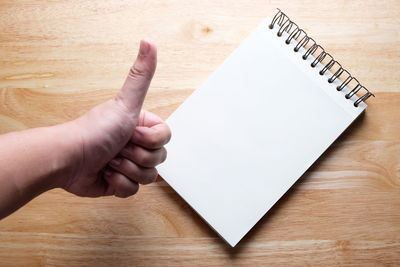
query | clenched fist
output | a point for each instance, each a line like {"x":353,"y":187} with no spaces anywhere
{"x":108,"y":151}
{"x":120,"y":144}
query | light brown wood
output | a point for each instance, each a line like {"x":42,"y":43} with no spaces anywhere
{"x":60,"y":58}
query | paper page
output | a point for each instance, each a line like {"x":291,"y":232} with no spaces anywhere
{"x":244,"y":137}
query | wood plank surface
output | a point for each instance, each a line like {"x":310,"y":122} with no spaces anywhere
{"x":60,"y":58}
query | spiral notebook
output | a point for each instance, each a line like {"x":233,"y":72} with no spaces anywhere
{"x":252,"y":129}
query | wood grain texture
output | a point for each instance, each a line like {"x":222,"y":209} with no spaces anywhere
{"x":60,"y":58}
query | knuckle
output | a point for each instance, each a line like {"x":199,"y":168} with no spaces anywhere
{"x":113,"y":180}
{"x":123,"y":192}
{"x":138,"y":72}
{"x":154,"y":140}
{"x":150,"y":176}
{"x":118,"y":183}
{"x":163,"y":154}
{"x":135,"y":188}
{"x":168,"y":134}
{"x":154,"y":174}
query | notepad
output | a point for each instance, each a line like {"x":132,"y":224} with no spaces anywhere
{"x":252,"y":129}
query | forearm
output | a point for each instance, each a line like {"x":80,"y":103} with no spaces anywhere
{"x":95,"y":155}
{"x":34,"y":161}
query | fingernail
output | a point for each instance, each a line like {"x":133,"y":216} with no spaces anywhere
{"x":115,"y":162}
{"x":137,"y":135}
{"x":107,"y":173}
{"x":127,"y":150}
{"x":144,"y":48}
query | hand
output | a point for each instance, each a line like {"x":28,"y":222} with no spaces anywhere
{"x":120,"y":145}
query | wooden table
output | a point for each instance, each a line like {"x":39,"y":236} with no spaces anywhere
{"x":60,"y":58}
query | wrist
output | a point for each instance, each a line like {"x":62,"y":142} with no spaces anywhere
{"x":68,"y":156}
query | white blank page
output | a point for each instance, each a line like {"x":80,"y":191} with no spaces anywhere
{"x":244,"y":137}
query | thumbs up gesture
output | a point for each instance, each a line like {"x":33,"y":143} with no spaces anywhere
{"x":118,"y":144}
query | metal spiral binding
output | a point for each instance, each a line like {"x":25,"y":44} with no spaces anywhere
{"x":296,"y":33}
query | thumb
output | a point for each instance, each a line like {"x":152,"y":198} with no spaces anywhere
{"x":136,"y":84}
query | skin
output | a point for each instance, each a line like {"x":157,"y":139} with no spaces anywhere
{"x":110,"y":150}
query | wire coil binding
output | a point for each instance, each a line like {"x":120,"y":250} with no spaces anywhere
{"x":296,"y":33}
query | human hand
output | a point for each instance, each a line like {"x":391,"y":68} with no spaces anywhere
{"x":119,"y":145}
